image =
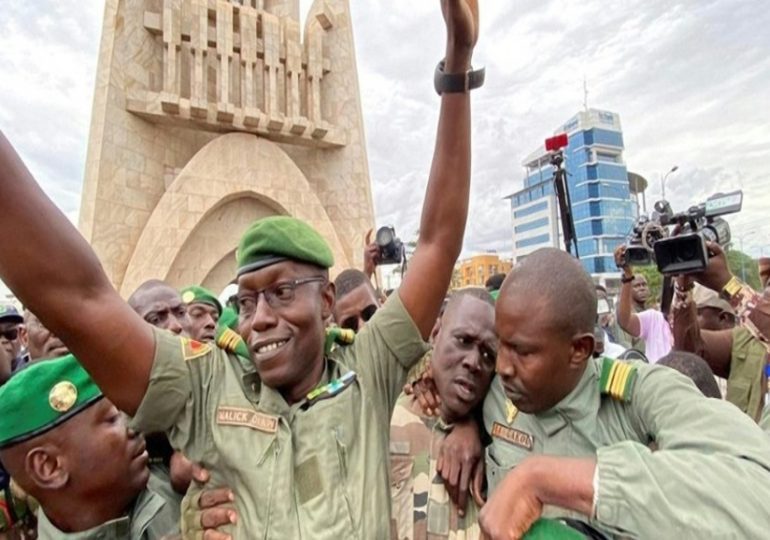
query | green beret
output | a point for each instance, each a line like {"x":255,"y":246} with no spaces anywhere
{"x":551,"y":529}
{"x":199,"y":295}
{"x":42,"y":396}
{"x":280,"y":238}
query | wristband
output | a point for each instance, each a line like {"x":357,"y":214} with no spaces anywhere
{"x":624,"y":280}
{"x":732,"y":288}
{"x":451,"y":83}
{"x":690,"y":287}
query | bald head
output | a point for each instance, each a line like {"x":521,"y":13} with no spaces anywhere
{"x":161,"y":305}
{"x":561,"y":285}
{"x":456,"y":297}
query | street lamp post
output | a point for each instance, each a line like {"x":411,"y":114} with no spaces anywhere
{"x":663,"y":181}
{"x":743,"y":255}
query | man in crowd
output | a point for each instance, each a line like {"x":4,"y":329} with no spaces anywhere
{"x":6,"y":360}
{"x":735,"y":354}
{"x":696,"y":369}
{"x":649,"y":325}
{"x":573,"y":434}
{"x":462,"y":364}
{"x":493,"y":284}
{"x":356,"y":300}
{"x":11,"y":335}
{"x":42,"y":344}
{"x":299,"y":437}
{"x":161,"y":305}
{"x":714,"y":313}
{"x":203,"y":312}
{"x":72,"y":451}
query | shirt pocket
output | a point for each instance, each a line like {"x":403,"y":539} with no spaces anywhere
{"x":501,"y":457}
{"x":402,"y":497}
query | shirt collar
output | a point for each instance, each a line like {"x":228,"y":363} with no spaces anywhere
{"x":575,"y":406}
{"x":116,"y":528}
{"x":270,"y":400}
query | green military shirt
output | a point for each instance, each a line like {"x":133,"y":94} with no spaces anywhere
{"x":709,"y":476}
{"x":150,"y":519}
{"x":764,"y":421}
{"x":422,"y":509}
{"x":747,"y":362}
{"x":309,"y":470}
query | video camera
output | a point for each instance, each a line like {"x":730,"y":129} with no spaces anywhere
{"x":390,"y":246}
{"x":683,"y":249}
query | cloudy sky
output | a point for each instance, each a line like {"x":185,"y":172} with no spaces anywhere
{"x":690,"y":79}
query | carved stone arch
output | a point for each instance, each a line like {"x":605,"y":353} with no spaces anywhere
{"x":200,"y":217}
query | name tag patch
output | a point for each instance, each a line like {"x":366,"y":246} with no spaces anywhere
{"x":513,"y":436}
{"x":234,"y":416}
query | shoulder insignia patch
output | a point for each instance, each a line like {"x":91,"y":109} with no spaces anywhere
{"x":231,"y":341}
{"x":617,"y":379}
{"x":338,"y":336}
{"x":193,"y":349}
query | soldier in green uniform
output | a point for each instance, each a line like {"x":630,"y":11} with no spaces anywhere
{"x":574,"y":434}
{"x":203,"y":310}
{"x":71,"y":450}
{"x":300,"y":437}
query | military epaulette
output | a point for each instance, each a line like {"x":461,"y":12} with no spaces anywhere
{"x":617,"y":379}
{"x":231,"y":342}
{"x":338,"y":336}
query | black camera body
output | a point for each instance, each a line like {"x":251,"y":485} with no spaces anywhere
{"x":683,"y":251}
{"x":390,"y":246}
{"x":644,"y":235}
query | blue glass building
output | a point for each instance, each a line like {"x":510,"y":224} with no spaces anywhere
{"x":602,"y":205}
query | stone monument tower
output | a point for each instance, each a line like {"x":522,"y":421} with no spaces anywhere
{"x":209,"y":114}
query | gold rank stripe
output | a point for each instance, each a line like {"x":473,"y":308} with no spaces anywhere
{"x":617,"y":379}
{"x":228,"y":340}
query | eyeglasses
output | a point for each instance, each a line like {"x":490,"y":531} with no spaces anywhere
{"x":277,"y":295}
{"x":351,"y":323}
{"x":11,"y":334}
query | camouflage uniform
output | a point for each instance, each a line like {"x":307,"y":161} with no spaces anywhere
{"x":421,"y":508}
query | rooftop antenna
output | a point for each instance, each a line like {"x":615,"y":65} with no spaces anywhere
{"x":585,"y":93}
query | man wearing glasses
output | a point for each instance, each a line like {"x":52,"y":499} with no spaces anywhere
{"x":11,"y":327}
{"x":301,"y":437}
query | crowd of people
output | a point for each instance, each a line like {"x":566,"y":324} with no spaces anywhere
{"x":306,"y":407}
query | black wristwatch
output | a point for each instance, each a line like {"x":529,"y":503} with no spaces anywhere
{"x":452,"y":83}
{"x":629,"y":279}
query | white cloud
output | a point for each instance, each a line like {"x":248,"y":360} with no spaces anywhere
{"x":689,"y":79}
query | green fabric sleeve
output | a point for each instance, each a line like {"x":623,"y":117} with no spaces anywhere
{"x":708,"y":478}
{"x":384,"y":351}
{"x":175,"y":401}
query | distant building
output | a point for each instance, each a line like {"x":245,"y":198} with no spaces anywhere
{"x":603,"y":208}
{"x":476,"y":270}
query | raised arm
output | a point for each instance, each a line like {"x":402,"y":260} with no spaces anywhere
{"x":445,"y":209}
{"x":627,"y":319}
{"x":54,"y":272}
{"x":715,"y":347}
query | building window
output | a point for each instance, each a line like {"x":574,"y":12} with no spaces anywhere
{"x":532,"y":225}
{"x":540,"y":239}
{"x":542,"y":205}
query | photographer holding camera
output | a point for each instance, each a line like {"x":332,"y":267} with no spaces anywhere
{"x":650,"y":325}
{"x":738,"y":354}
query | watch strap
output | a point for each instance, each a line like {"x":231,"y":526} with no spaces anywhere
{"x":453,"y":83}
